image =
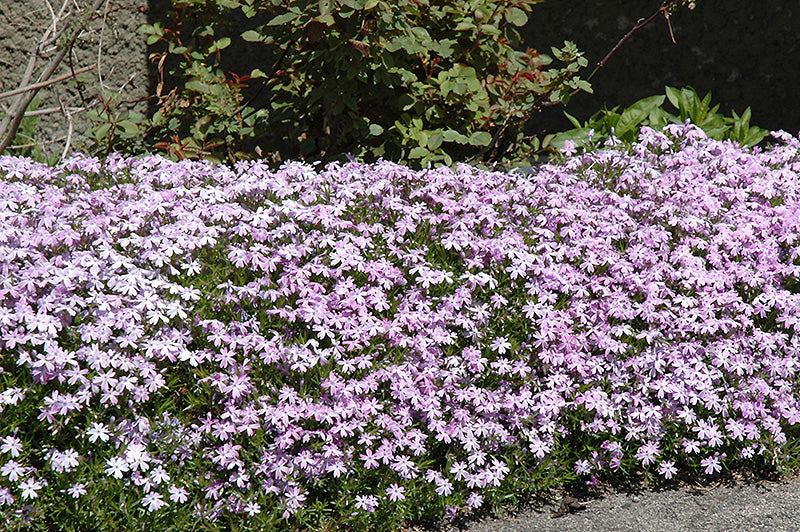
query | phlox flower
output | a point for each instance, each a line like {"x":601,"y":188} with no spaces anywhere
{"x":13,"y":470}
{"x":500,"y":345}
{"x":64,"y":461}
{"x":459,"y":470}
{"x":712,"y":463}
{"x":368,"y":503}
{"x":667,"y":469}
{"x":252,"y":508}
{"x":474,"y":501}
{"x":30,"y":488}
{"x":691,"y":446}
{"x":569,"y":148}
{"x":154,"y":501}
{"x":294,"y":497}
{"x":158,"y":475}
{"x":116,"y":467}
{"x":137,"y":457}
{"x":76,"y":490}
{"x":647,"y":453}
{"x":538,"y":447}
{"x":177,"y":494}
{"x":450,"y":512}
{"x":444,"y":487}
{"x":583,"y":467}
{"x":405,"y":467}
{"x":11,"y":445}
{"x":5,"y":496}
{"x":395,"y":493}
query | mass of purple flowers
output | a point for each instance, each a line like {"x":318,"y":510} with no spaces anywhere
{"x":188,"y":342}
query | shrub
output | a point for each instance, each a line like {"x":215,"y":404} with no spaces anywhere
{"x":412,"y":80}
{"x":189,"y":346}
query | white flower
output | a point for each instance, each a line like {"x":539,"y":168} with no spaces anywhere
{"x":154,"y":502}
{"x":177,"y":494}
{"x":77,"y":490}
{"x":30,"y":488}
{"x":98,"y":431}
{"x":137,"y":457}
{"x":11,"y":445}
{"x":66,"y":461}
{"x":116,"y":467}
{"x":158,"y":475}
{"x":13,"y":470}
{"x":252,"y":508}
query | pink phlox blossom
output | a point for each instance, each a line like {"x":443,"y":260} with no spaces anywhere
{"x":395,"y":492}
{"x":76,"y":490}
{"x":252,"y":508}
{"x":29,"y":488}
{"x":177,"y":494}
{"x":647,"y":453}
{"x":667,"y":469}
{"x":11,"y":445}
{"x":13,"y":470}
{"x":712,"y":463}
{"x":474,"y":501}
{"x":583,"y":467}
{"x":368,"y":503}
{"x":64,"y":461}
{"x":116,"y":467}
{"x":154,"y":501}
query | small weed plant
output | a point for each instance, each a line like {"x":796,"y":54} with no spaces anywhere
{"x":190,"y":346}
{"x":649,"y":112}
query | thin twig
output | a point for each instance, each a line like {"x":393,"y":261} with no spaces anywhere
{"x":11,"y":122}
{"x":540,"y":101}
{"x":37,"y":143}
{"x":51,"y":110}
{"x":71,"y":127}
{"x":42,"y":84}
{"x":641,"y":23}
{"x":100,"y":46}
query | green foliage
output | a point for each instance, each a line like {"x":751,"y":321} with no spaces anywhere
{"x":114,"y":129}
{"x":650,"y":112}
{"x":26,"y":143}
{"x":416,"y":81}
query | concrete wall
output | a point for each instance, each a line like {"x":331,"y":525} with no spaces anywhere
{"x":122,"y":60}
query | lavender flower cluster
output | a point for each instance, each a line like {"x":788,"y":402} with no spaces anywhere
{"x":239,"y":343}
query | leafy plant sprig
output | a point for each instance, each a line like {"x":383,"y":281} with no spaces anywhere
{"x":649,"y":112}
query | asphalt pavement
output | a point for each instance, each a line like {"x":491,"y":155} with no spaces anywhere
{"x":739,"y":506}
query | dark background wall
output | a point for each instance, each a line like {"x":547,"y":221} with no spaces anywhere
{"x":745,"y":53}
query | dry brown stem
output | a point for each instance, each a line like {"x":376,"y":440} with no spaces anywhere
{"x":43,"y":84}
{"x":62,"y":22}
{"x":493,"y":152}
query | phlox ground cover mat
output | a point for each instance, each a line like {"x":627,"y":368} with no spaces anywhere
{"x":190,"y":346}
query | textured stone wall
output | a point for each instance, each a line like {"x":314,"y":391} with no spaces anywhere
{"x":110,"y":41}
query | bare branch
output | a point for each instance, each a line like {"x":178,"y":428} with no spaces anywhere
{"x":68,"y":142}
{"x":37,"y":143}
{"x":11,"y":121}
{"x":51,"y":110}
{"x":495,"y":152}
{"x":100,"y":46}
{"x":43,"y":84}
